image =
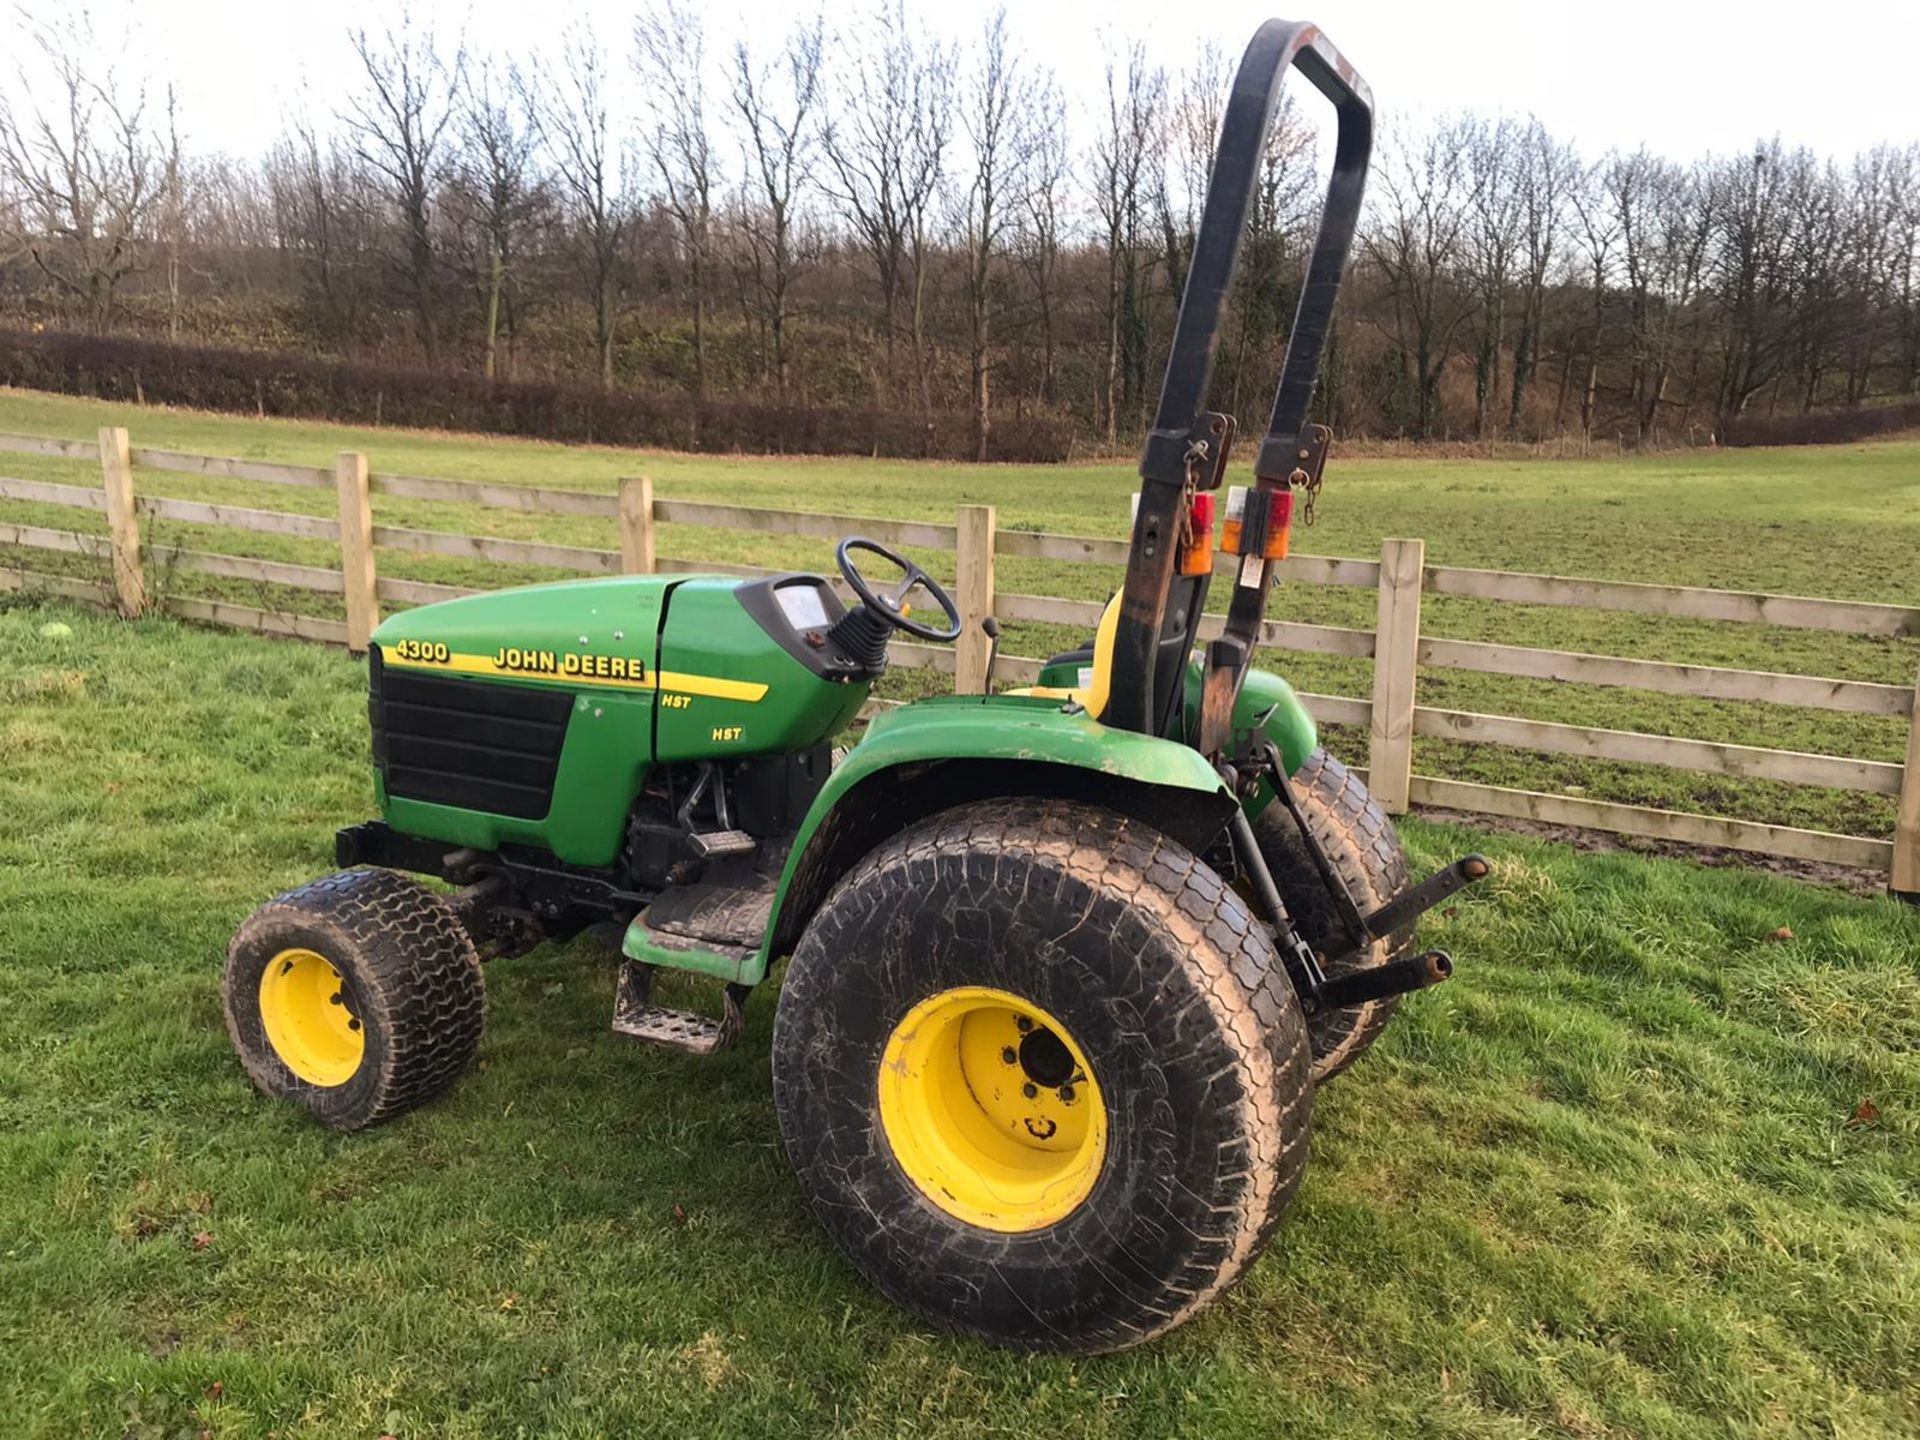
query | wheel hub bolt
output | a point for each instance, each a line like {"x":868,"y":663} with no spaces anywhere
{"x":1066,"y":1094}
{"x":1023,"y":1024}
{"x":1029,"y":1090}
{"x":1010,"y":1056}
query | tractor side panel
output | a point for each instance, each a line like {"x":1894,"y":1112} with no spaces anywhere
{"x":601,"y":764}
{"x":728,"y":689}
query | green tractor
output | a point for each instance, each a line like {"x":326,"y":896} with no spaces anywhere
{"x":1063,"y":967}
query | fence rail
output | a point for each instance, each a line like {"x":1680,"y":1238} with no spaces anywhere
{"x":1392,"y":714}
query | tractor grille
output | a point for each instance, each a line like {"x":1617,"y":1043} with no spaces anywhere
{"x":471,"y":743}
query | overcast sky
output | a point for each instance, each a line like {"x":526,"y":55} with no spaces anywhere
{"x":1683,"y":77}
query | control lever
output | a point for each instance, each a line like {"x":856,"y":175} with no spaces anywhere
{"x":990,"y":627}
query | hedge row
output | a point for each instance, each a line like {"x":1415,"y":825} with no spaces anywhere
{"x":266,"y":383}
{"x":1825,"y":427}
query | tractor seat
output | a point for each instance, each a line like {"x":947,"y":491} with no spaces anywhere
{"x":1097,"y":673}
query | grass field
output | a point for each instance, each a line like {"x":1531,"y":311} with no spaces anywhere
{"x":1647,"y":1168}
{"x":1842,"y":522}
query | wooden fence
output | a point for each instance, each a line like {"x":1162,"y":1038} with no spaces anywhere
{"x":1392,"y":714}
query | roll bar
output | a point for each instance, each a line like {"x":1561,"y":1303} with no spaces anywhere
{"x":1187,"y":443}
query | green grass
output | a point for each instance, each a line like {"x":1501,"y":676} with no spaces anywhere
{"x":1836,"y":521}
{"x":1611,"y":1181}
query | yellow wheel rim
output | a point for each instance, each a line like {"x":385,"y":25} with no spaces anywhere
{"x":304,"y":1010}
{"x":992,"y":1110}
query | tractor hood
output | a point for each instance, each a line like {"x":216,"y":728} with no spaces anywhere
{"x":590,"y":632}
{"x":532,"y":716}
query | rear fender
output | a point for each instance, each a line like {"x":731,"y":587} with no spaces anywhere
{"x":936,"y":754}
{"x":1266,"y":701}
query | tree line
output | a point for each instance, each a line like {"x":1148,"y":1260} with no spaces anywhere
{"x":879,"y":215}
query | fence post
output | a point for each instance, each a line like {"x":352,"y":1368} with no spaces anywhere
{"x":1905,"y":881}
{"x":1395,"y":659}
{"x":636,"y":525}
{"x":973,"y":572}
{"x":123,"y":523}
{"x":356,"y":549}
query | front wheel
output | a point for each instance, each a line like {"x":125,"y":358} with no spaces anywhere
{"x":358,"y":996}
{"x":1041,"y":1076}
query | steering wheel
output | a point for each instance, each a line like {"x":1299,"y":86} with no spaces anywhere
{"x":891,"y":606}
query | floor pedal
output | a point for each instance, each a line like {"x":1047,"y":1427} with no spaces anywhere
{"x":635,"y":1016}
{"x":716,"y":843}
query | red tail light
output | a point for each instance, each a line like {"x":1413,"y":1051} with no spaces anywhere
{"x":1279,"y":522}
{"x":1196,"y":557}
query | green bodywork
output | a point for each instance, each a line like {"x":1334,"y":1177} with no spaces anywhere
{"x":958,"y":729}
{"x":670,"y":669}
{"x":698,"y":657}
{"x":1265,"y":700}
{"x":964,"y":728}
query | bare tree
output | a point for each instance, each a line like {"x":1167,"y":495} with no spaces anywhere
{"x":1873,"y":193}
{"x":231,"y":242}
{"x":13,"y":219}
{"x":1544,"y":170}
{"x":172,"y":214}
{"x":1630,"y":188}
{"x":1750,"y":266}
{"x":670,"y":60}
{"x":886,"y":144}
{"x":398,"y":126}
{"x":997,"y":110}
{"x":775,"y":106}
{"x":1180,"y":183}
{"x":1041,"y":225}
{"x":1599,"y":235}
{"x":1684,"y":218}
{"x":1502,"y":285}
{"x":85,"y":172}
{"x":323,"y":220}
{"x":1284,"y":201}
{"x":1416,"y":240}
{"x":497,"y":195}
{"x":1818,"y":274}
{"x":1125,"y":152}
{"x":578,"y":128}
{"x":1903,"y":265}
{"x":1491,"y":248}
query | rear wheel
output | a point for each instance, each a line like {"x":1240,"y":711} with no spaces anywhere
{"x":1359,"y":840}
{"x":358,"y":996}
{"x":1041,"y":1076}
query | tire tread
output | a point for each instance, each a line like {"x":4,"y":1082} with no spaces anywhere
{"x":1239,"y":981}
{"x":416,"y":975}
